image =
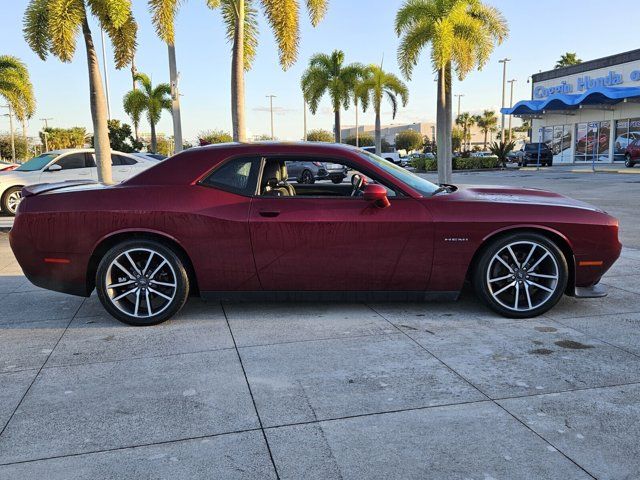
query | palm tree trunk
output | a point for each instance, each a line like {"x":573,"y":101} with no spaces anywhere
{"x":444,"y":116}
{"x":485,"y":139}
{"x":154,"y":139}
{"x":337,"y":132}
{"x":136,"y":125}
{"x":378,"y":133}
{"x":237,"y":77}
{"x":25,"y":153}
{"x":98,"y":109}
{"x":175,"y":100}
{"x":355,"y":101}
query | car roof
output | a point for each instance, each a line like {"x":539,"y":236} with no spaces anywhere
{"x":62,"y":151}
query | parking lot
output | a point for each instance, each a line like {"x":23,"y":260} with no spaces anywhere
{"x":324,"y":391}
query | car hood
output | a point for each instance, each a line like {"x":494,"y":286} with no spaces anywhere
{"x":519,"y":195}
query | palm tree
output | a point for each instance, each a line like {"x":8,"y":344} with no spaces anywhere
{"x":328,"y":74}
{"x":51,"y":26}
{"x":17,"y":91}
{"x":379,"y":83}
{"x":462,"y":35}
{"x":567,"y":59}
{"x":487,"y":123}
{"x":148,"y":99}
{"x":466,"y":121}
{"x":241,"y":20}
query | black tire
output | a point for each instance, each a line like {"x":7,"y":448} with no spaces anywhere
{"x":306,"y":177}
{"x":628,"y":162}
{"x":6,"y":200}
{"x":337,"y":180}
{"x":481,"y":274}
{"x":176,"y":266}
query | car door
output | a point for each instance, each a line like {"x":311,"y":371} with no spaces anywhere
{"x":74,"y":166}
{"x":325,"y":243}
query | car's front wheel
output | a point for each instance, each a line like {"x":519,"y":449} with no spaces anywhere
{"x":521,"y":275}
{"x":628,"y":162}
{"x":142,"y":282}
{"x":11,"y":200}
{"x":306,"y":177}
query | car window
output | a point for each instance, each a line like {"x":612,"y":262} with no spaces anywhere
{"x":73,"y":161}
{"x":238,"y":175}
{"x":120,"y":160}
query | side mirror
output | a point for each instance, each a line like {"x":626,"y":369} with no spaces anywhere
{"x":54,"y":168}
{"x":376,"y":194}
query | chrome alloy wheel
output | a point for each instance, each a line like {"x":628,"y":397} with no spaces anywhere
{"x":522,"y":276}
{"x":13,"y":199}
{"x":141,"y":282}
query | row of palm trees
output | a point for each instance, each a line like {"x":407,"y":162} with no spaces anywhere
{"x":486,"y":122}
{"x":461,"y":33}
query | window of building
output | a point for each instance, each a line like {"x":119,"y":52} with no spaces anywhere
{"x":592,"y":142}
{"x":627,"y":131}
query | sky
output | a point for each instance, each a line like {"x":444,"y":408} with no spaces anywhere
{"x":540,"y":31}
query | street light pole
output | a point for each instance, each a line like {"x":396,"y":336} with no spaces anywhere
{"x":504,"y":87}
{"x":271,"y":97}
{"x":45,"y":133}
{"x":511,"y":106}
{"x":106,"y":75}
{"x":459,"y":95}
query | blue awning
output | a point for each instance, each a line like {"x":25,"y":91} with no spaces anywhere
{"x":565,"y":101}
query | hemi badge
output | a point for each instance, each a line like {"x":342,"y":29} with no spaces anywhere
{"x":589,"y":263}
{"x":57,"y":260}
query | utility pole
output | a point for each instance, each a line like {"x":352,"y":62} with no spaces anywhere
{"x":304,"y":109}
{"x":511,"y":106}
{"x":106,"y":75}
{"x":45,"y":133}
{"x":459,"y":95}
{"x":13,"y":141}
{"x":271,"y":97}
{"x":504,"y":87}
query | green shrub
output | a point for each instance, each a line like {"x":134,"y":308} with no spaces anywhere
{"x":423,"y":163}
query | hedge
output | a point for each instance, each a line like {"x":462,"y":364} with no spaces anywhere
{"x":459,"y":163}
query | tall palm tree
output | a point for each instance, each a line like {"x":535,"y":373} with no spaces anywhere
{"x":360,"y":95}
{"x":487,"y":122}
{"x":17,"y":91}
{"x":149,"y":99}
{"x":567,"y":59}
{"x":462,"y":35}
{"x":51,"y":26}
{"x":241,"y":20}
{"x":328,"y":74}
{"x":379,"y":84}
{"x":466,"y":121}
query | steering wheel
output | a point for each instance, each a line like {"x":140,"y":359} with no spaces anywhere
{"x":358,"y":183}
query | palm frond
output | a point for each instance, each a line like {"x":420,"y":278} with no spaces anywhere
{"x":283,"y":17}
{"x":65,"y":20}
{"x":35,"y":27}
{"x":111,"y":12}
{"x":411,"y":45}
{"x":317,"y":9}
{"x":413,"y":12}
{"x":163,"y":16}
{"x":124,"y":41}
{"x":251,"y":34}
{"x":144,"y":81}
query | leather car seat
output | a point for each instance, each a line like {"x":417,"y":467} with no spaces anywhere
{"x":274,"y":180}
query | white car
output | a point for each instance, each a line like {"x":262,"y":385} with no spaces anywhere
{"x":394,"y":157}
{"x":624,"y":140}
{"x":63,"y":165}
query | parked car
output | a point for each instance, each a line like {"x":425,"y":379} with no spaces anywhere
{"x":481,"y":154}
{"x":308,"y":172}
{"x":62,"y":165}
{"x":7,"y":166}
{"x":624,"y":140}
{"x":223,"y":222}
{"x":395,"y":157}
{"x":528,"y":155}
{"x":632,"y":154}
{"x":150,"y":156}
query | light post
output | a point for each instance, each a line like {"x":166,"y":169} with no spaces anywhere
{"x":511,"y":106}
{"x":13,"y":141}
{"x":45,"y":133}
{"x":504,"y":88}
{"x":271,"y":97}
{"x":459,"y":95}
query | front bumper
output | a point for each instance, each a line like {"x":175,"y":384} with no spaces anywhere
{"x":594,"y":291}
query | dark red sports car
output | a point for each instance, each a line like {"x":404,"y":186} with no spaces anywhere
{"x":224,"y":222}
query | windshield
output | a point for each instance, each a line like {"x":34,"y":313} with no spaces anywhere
{"x":419,"y":184}
{"x":36,"y":163}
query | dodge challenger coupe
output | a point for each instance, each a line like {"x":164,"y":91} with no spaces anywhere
{"x":223,"y":222}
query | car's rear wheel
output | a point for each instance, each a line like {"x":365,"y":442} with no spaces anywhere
{"x":628,"y":162}
{"x":306,"y":177}
{"x":142,"y":282}
{"x":337,"y":180}
{"x":521,"y":275}
{"x":11,"y":200}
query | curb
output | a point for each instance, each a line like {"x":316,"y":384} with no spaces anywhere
{"x":622,"y":172}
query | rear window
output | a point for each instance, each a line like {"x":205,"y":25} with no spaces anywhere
{"x":238,"y":175}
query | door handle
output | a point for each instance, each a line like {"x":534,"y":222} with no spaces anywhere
{"x":269,"y":214}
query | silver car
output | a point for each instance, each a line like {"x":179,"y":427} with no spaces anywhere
{"x":308,"y":172}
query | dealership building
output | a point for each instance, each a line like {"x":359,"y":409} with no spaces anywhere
{"x":588,"y":112}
